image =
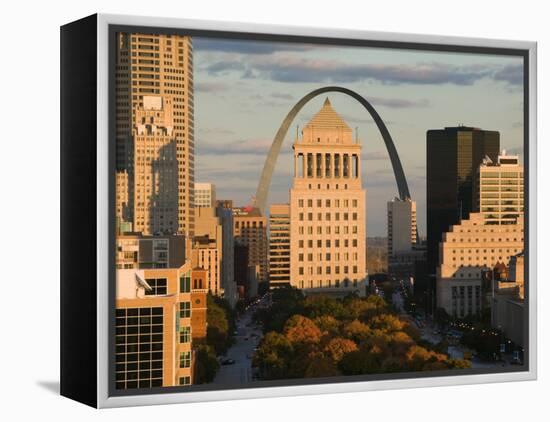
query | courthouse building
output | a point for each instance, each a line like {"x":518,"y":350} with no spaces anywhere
{"x":327,"y":208}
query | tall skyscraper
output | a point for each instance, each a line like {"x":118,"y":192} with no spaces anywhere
{"x":279,"y":245}
{"x":453,"y":157}
{"x":327,"y":207}
{"x":205,"y":195}
{"x":499,"y":189}
{"x":154,"y":132}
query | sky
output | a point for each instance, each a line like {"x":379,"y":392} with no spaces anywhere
{"x":245,"y":88}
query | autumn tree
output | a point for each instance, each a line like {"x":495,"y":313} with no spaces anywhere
{"x":338,"y":347}
{"x":299,"y":329}
{"x":274,"y":356}
{"x":356,"y":331}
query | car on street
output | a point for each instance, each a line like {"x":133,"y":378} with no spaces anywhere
{"x":228,"y":361}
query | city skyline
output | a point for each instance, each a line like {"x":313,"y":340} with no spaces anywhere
{"x":204,"y":284}
{"x":244,"y":89}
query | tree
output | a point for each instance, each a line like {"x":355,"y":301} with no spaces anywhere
{"x":321,"y":367}
{"x":359,"y":362}
{"x":357,"y":331}
{"x":319,"y":305}
{"x":206,"y":365}
{"x":338,"y":347}
{"x":328,"y":325}
{"x":274,"y":356}
{"x":299,"y":329}
{"x":387,"y":322}
{"x":217,"y":332}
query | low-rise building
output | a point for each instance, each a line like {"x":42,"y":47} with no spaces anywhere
{"x":467,"y":252}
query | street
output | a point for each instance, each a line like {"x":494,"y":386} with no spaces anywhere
{"x":429,"y":333}
{"x":247,"y":339}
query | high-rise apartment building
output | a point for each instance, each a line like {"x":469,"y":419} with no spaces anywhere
{"x":154,"y":132}
{"x":279,"y":245}
{"x":250,"y":229}
{"x":205,"y":195}
{"x":453,"y":157}
{"x":327,"y":207}
{"x":467,"y":252}
{"x":499,"y":189}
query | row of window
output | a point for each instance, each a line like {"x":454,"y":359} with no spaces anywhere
{"x":327,"y":257}
{"x":328,"y":203}
{"x":328,"y":229}
{"x":328,"y":270}
{"x":328,"y":216}
{"x":329,"y":243}
{"x":327,"y":283}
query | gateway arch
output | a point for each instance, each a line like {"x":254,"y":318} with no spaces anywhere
{"x":269,"y":166}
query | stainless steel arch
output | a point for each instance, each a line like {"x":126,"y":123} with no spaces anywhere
{"x":269,"y":166}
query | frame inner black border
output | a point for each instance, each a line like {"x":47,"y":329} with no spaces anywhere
{"x":344,"y":42}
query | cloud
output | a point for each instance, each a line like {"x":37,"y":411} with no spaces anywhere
{"x":398,"y":102}
{"x":292,"y":69}
{"x":247,"y":46}
{"x":280,"y":66}
{"x":224,"y":66}
{"x":210,"y":87}
{"x":512,"y":74}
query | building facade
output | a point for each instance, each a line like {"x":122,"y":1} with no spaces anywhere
{"x":468,"y":252}
{"x":155,"y":132}
{"x":403,"y":251}
{"x":153,"y":328}
{"x":205,"y":195}
{"x":279,"y":245}
{"x":250,"y":229}
{"x":508,"y":302}
{"x":206,"y":253}
{"x":229,"y":285}
{"x":327,"y":207}
{"x":453,"y":157}
{"x":499,"y":189}
{"x":134,"y":250}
